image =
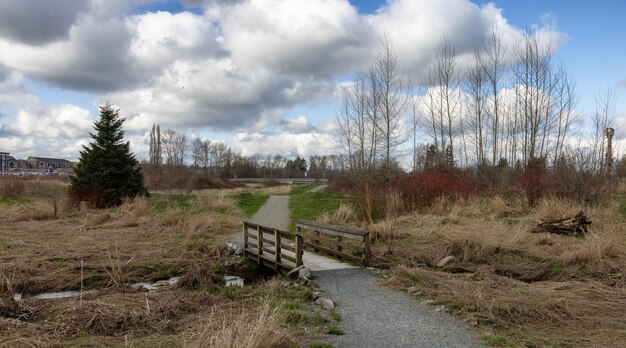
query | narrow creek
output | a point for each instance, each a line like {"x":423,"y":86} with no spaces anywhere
{"x":230,"y":280}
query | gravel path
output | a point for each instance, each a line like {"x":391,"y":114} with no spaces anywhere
{"x":376,"y":317}
{"x":318,"y":189}
{"x":372,"y":316}
{"x":274,"y":213}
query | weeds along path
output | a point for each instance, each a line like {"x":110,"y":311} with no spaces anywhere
{"x":372,"y":316}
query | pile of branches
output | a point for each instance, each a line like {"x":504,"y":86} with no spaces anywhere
{"x":576,"y":226}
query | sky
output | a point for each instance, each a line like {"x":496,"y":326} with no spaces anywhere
{"x":261,"y":75}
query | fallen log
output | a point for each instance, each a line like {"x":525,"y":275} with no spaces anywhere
{"x":576,"y":226}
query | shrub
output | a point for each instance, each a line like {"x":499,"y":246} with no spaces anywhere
{"x":422,"y":189}
{"x":533,"y":180}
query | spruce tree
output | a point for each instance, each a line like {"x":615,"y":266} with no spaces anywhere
{"x":107,"y":172}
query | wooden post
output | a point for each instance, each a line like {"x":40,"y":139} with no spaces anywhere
{"x":299,"y":250}
{"x":339,"y":239}
{"x":366,"y":250}
{"x":245,"y":239}
{"x":317,"y":240}
{"x":277,"y":244}
{"x":259,"y":243}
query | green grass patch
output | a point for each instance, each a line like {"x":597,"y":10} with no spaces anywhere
{"x":334,"y":330}
{"x":303,"y":317}
{"x":320,"y":345}
{"x":309,"y":206}
{"x":60,"y":263}
{"x":556,"y":268}
{"x":14,"y":201}
{"x":497,"y":341}
{"x":199,"y":246}
{"x":292,"y":306}
{"x":251,"y":203}
{"x":300,"y":189}
{"x":336,"y":316}
{"x":160,"y":201}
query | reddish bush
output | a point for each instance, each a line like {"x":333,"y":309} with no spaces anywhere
{"x":533,"y":180}
{"x":420,"y":190}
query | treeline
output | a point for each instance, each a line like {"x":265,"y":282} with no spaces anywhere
{"x":169,"y":148}
{"x":505,"y":107}
{"x":503,"y":119}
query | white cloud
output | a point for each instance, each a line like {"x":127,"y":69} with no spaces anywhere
{"x":58,"y":132}
{"x":297,"y":125}
{"x":326,"y":38}
{"x":239,"y":66}
{"x":312,"y":143}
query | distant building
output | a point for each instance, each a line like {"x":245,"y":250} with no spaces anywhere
{"x":47,"y":163}
{"x":5,"y":162}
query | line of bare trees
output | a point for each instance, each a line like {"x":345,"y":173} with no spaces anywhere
{"x":215,"y":159}
{"x":506,"y":106}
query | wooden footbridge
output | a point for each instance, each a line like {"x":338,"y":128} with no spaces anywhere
{"x":284,"y":251}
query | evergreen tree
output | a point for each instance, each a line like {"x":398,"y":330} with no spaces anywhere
{"x":107,"y":172}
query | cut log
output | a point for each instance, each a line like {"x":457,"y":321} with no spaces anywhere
{"x":576,"y":226}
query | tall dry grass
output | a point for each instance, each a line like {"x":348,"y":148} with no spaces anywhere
{"x":280,"y":190}
{"x":553,"y":208}
{"x":344,"y":215}
{"x":251,"y":328}
{"x":218,"y":201}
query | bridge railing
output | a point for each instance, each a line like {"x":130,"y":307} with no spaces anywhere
{"x":272,"y":247}
{"x":346,"y":243}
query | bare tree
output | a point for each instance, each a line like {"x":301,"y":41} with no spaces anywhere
{"x":535,"y":82}
{"x":476,"y":89}
{"x":155,"y":145}
{"x":197,"y":152}
{"x":364,"y":106}
{"x":416,"y":116}
{"x":566,"y":101}
{"x":446,"y":76}
{"x":344,"y":127}
{"x":175,"y":146}
{"x":494,"y":66}
{"x":393,"y":102}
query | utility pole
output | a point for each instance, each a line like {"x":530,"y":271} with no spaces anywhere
{"x":609,"y":159}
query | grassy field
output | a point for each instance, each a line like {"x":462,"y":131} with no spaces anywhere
{"x":305,"y":205}
{"x":102,"y":252}
{"x":250,"y":203}
{"x":515,"y":288}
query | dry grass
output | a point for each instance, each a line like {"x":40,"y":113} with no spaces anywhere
{"x":218,"y":201}
{"x":280,"y":190}
{"x":105,"y":251}
{"x":343,"y":216}
{"x":256,"y":327}
{"x":511,"y":282}
{"x":564,"y":314}
{"x":37,"y":210}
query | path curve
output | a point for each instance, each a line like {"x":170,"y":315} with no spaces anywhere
{"x":372,"y":316}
